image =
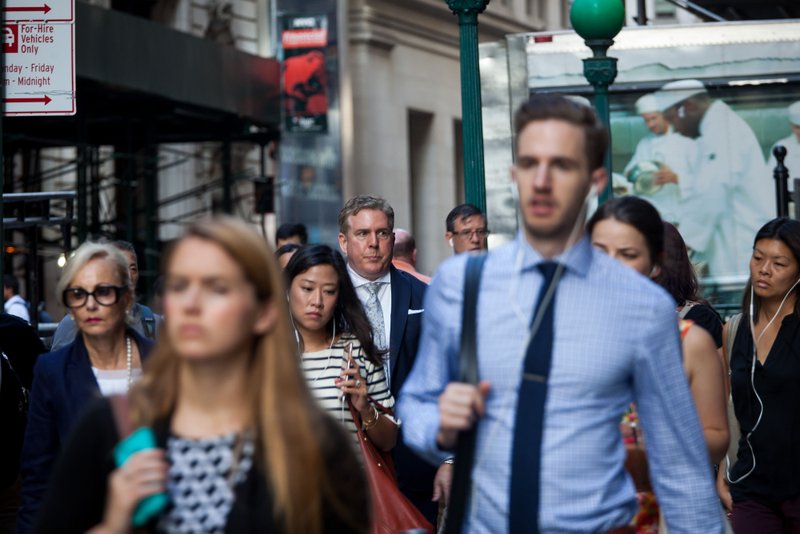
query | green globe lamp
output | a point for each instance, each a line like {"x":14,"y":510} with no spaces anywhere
{"x":598,"y":22}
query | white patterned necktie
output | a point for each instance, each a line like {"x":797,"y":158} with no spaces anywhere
{"x":375,"y":316}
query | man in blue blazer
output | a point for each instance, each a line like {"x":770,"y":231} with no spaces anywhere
{"x":393,"y":301}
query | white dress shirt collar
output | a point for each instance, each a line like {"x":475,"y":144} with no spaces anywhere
{"x":577,"y":258}
{"x":359,"y":280}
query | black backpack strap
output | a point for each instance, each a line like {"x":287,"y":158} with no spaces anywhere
{"x":468,"y":373}
{"x":149,"y":322}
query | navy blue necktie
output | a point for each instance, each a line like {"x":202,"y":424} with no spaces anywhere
{"x":526,"y":454}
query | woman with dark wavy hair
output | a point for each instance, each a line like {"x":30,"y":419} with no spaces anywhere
{"x":339,"y":356}
{"x":630,"y":230}
{"x":677,"y":276}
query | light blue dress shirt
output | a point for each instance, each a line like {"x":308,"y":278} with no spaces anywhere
{"x":616,"y":342}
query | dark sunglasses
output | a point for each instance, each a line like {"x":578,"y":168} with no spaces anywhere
{"x":105,"y":295}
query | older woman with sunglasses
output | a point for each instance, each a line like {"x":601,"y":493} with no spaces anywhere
{"x":104,"y":359}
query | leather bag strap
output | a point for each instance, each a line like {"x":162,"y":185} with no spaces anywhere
{"x":120,"y":408}
{"x":468,"y":373}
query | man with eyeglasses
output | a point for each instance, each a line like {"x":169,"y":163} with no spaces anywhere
{"x":393,"y":303}
{"x":730,"y":194}
{"x":466,"y":229}
{"x":144,"y":321}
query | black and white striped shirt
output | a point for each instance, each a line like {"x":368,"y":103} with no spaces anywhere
{"x":323,"y":367}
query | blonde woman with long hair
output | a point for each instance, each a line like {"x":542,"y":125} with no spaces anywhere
{"x":242,"y":446}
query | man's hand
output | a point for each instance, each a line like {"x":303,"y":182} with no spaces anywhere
{"x":459,"y":407}
{"x":665,"y":175}
{"x":442,"y":482}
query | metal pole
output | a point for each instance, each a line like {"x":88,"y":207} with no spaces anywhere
{"x":227,"y":177}
{"x":2,"y":153}
{"x":601,"y":70}
{"x":82,"y":192}
{"x":471,"y":119}
{"x":32,"y":259}
{"x":796,"y":198}
{"x":781,"y":176}
{"x":151,"y":212}
{"x":129,"y":187}
{"x":641,"y":12}
{"x":94,"y":190}
{"x":697,"y":10}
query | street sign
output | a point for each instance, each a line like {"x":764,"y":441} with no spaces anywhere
{"x":39,"y":10}
{"x":39,"y":70}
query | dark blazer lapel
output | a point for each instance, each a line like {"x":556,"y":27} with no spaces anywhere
{"x":401,"y":301}
{"x":79,"y":379}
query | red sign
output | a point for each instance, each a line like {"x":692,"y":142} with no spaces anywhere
{"x":10,"y":39}
{"x":309,"y":38}
{"x":39,"y":10}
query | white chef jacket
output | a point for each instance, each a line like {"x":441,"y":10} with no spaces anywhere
{"x":678,"y":153}
{"x":733,"y":194}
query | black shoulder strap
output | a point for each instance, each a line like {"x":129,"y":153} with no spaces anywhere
{"x":148,"y":321}
{"x":731,"y":327}
{"x":468,"y":373}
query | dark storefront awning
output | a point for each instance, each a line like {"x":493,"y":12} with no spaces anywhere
{"x":744,"y":9}
{"x":138,"y":78}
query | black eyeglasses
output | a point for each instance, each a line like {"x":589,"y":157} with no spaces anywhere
{"x":105,"y":295}
{"x":467,"y":234}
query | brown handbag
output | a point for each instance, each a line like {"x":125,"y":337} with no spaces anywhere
{"x":392,"y":512}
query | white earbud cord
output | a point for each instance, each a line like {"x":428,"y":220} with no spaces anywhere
{"x":753,"y":383}
{"x":546,"y":299}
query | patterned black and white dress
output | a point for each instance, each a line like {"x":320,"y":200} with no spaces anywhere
{"x":322,"y":368}
{"x":202,"y":476}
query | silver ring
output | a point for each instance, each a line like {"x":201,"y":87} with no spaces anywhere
{"x":358,"y":383}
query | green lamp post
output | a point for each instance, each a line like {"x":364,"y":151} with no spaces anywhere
{"x":598,"y":22}
{"x":471,"y":122}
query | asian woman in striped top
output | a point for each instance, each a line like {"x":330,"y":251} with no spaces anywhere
{"x":339,"y":357}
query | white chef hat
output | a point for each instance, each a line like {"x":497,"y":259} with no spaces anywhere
{"x":647,"y":104}
{"x":580,"y":100}
{"x":675,"y":92}
{"x":794,"y":113}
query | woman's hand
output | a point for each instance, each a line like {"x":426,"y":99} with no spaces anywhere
{"x":353,"y":384}
{"x":724,"y":490}
{"x":144,"y":474}
{"x":442,"y":483}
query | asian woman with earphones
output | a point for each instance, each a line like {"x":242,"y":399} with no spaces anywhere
{"x":764,"y":481}
{"x":339,"y":357}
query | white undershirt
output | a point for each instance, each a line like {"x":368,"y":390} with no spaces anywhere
{"x":114,"y":381}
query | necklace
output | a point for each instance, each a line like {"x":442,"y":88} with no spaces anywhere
{"x":129,"y":353}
